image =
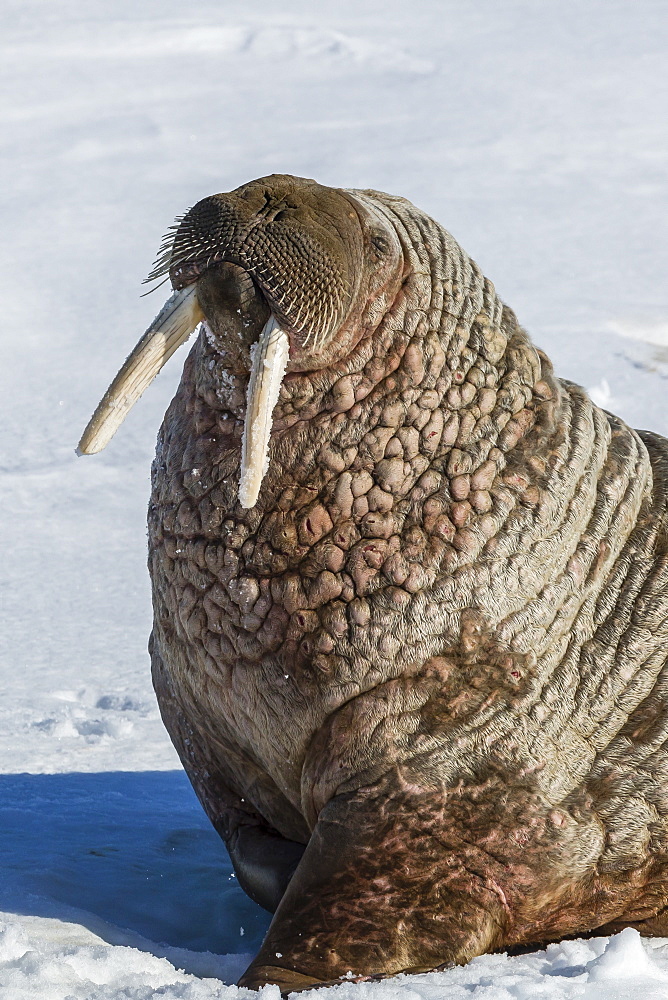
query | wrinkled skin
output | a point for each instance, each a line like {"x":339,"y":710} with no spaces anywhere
{"x":420,"y":688}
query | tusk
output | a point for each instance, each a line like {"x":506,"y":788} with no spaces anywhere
{"x":268,"y":368}
{"x":171,"y":327}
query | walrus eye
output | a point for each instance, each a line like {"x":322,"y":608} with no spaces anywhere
{"x":172,"y":326}
{"x":380,"y":244}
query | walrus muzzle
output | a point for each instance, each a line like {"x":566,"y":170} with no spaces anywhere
{"x":231,"y":259}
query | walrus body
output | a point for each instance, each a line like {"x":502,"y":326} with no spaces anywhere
{"x":420,"y":686}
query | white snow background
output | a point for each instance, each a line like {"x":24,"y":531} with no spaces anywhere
{"x":535,"y":130}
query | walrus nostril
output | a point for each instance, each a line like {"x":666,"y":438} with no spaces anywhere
{"x":274,"y":209}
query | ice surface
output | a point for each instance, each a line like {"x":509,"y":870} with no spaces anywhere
{"x":536,"y":132}
{"x":62,"y":960}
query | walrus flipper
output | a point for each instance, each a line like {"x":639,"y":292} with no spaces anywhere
{"x":375,"y":894}
{"x":264,"y":863}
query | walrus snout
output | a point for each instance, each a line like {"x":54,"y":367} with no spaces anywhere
{"x":289,"y":277}
{"x":298,"y":242}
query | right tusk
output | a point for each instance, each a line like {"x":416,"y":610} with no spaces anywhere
{"x":171,"y":327}
{"x":268,"y":368}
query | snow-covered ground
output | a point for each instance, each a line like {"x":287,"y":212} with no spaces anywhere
{"x":535,"y":130}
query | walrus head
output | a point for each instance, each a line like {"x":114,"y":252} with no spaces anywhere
{"x":287,"y":275}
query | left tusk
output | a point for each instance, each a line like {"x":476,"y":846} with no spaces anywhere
{"x":171,"y":327}
{"x":267,"y":371}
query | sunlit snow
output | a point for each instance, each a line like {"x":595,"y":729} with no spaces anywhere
{"x":537,"y":132}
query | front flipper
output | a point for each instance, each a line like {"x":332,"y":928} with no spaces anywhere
{"x":264,"y":863}
{"x":385,"y":886}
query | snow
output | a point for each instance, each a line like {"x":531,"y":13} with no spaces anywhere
{"x":536,"y":132}
{"x":60,"y":959}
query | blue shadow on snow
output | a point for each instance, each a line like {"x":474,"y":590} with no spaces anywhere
{"x":132,"y":848}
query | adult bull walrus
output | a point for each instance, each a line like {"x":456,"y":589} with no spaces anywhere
{"x":410,"y":638}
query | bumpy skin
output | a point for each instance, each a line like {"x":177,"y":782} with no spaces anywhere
{"x":435,"y":650}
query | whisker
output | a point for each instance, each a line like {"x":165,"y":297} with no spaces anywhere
{"x":155,"y":287}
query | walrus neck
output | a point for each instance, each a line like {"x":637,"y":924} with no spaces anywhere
{"x":480,"y":387}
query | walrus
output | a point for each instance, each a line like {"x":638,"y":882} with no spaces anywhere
{"x":410,"y":594}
